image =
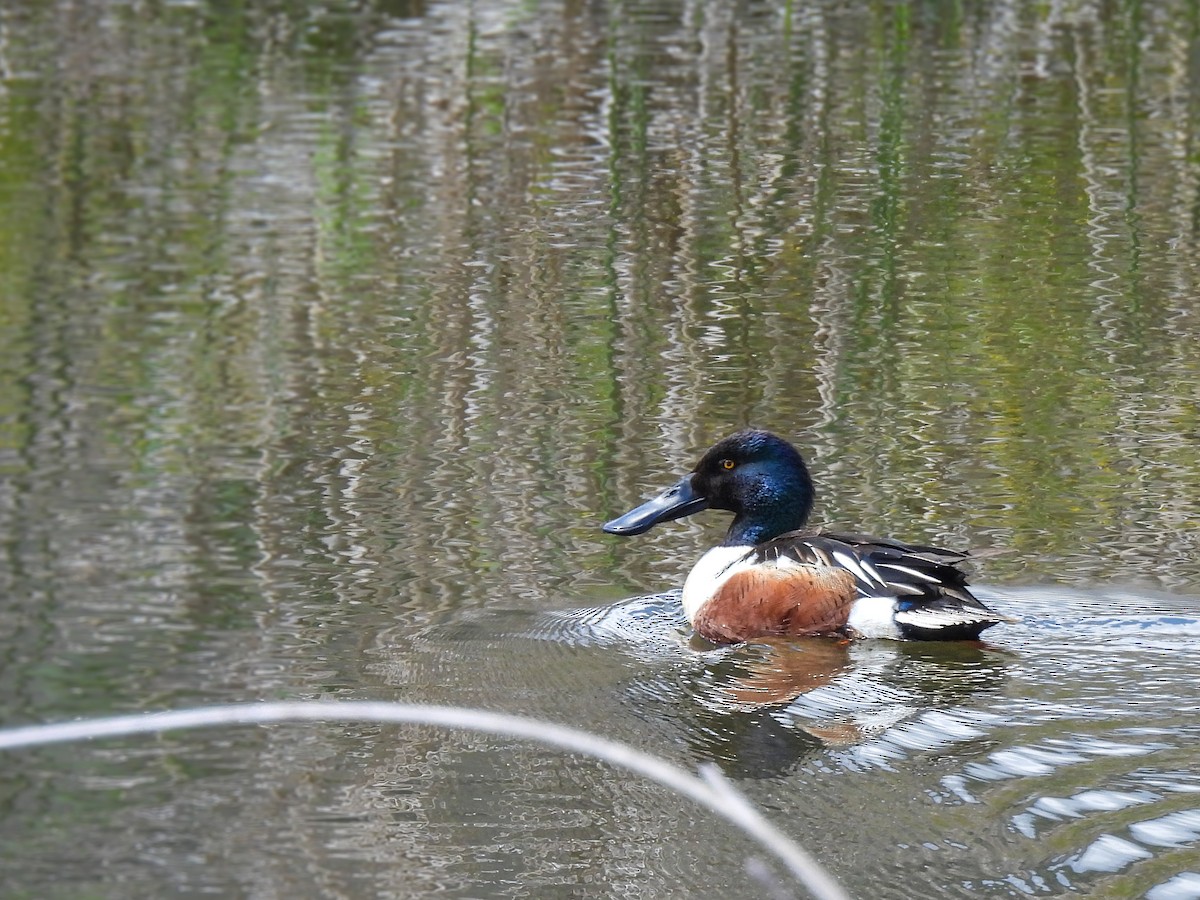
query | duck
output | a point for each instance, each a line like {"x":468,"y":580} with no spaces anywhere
{"x":772,"y":576}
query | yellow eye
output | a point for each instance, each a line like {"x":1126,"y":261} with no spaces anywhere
{"x":727,"y":464}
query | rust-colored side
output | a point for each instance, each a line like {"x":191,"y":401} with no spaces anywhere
{"x":767,"y":600}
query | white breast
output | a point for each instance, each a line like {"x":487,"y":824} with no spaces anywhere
{"x":715,"y":567}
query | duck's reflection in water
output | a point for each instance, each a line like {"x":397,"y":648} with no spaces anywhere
{"x":757,"y":708}
{"x":803,"y":694}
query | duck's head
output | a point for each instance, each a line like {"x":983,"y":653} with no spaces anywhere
{"x":756,"y":475}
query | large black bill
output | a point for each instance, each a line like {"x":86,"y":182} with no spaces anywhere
{"x":675,"y":502}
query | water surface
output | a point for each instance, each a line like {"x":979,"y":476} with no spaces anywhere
{"x":331,"y":332}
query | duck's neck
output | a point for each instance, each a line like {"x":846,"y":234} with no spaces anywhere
{"x":768,"y":521}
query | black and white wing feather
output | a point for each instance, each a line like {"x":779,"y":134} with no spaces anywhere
{"x":932,"y":597}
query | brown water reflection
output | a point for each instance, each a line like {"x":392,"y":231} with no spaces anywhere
{"x":330,"y":332}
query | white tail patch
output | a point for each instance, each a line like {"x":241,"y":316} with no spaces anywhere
{"x":874,"y":617}
{"x":943,"y":617}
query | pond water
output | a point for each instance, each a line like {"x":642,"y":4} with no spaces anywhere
{"x":331,"y":332}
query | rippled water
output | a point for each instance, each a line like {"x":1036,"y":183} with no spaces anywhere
{"x":331,"y":332}
{"x":1055,"y":757}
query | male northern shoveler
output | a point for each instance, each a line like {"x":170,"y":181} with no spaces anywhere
{"x":770,"y":577}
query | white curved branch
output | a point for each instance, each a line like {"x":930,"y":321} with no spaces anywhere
{"x":711,"y":789}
